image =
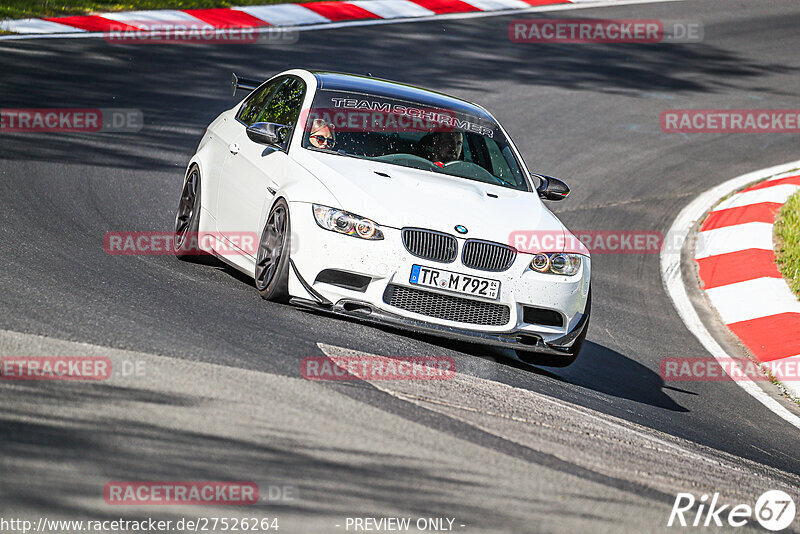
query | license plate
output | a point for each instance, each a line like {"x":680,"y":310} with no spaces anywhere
{"x":455,"y":282}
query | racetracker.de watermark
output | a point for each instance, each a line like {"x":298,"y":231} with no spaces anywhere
{"x":369,"y":367}
{"x":583,"y":241}
{"x":196,"y":32}
{"x":73,"y":368}
{"x":730,"y":121}
{"x":163,"y":243}
{"x":351,"y":115}
{"x":181,"y":493}
{"x":55,"y":368}
{"x":590,"y":31}
{"x":713,"y":369}
{"x":16,"y":120}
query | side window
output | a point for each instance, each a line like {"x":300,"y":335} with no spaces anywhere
{"x":255,"y":103}
{"x":284,"y":107}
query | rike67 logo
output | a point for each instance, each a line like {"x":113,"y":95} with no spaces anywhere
{"x":774,"y":510}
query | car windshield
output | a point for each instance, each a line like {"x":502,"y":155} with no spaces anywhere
{"x":412,"y":134}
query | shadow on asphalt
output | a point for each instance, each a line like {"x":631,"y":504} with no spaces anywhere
{"x":181,"y":88}
{"x":60,"y":463}
{"x":59,"y":454}
{"x":597,"y":368}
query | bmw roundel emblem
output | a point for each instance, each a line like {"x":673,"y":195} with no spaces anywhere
{"x":461,"y":229}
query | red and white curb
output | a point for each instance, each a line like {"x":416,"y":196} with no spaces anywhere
{"x":734,"y":253}
{"x":672,"y":274}
{"x":310,"y":15}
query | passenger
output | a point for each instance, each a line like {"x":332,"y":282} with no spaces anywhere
{"x":322,"y":135}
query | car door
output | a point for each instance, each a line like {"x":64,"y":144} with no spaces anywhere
{"x":224,"y":133}
{"x":252,"y":172}
{"x":229,"y":135}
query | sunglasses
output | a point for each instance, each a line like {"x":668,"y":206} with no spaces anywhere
{"x":321,"y":139}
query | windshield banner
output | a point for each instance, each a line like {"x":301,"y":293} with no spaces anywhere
{"x":366,"y":113}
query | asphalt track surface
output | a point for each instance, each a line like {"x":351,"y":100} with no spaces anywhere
{"x":603,"y":445}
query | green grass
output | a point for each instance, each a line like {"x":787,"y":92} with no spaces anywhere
{"x":787,"y":242}
{"x":21,"y":9}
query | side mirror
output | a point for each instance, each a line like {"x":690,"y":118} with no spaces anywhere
{"x":552,"y":188}
{"x":268,"y":133}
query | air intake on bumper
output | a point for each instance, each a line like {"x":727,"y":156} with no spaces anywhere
{"x":446,"y":307}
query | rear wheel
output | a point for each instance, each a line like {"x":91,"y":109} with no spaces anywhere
{"x":187,"y":219}
{"x":272,"y":260}
{"x":552,"y":360}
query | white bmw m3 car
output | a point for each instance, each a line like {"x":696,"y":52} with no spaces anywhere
{"x":388,"y":203}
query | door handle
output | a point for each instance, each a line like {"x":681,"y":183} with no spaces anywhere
{"x":234,"y":148}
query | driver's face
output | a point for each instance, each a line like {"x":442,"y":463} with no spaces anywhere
{"x":448,"y":146}
{"x":322,"y":138}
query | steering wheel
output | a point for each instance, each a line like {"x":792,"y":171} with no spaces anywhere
{"x":483,"y":172}
{"x":410,"y":160}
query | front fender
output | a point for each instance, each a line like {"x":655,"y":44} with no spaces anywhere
{"x":299,"y":185}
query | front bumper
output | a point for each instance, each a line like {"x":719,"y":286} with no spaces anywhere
{"x":518,"y":339}
{"x":387,"y":262}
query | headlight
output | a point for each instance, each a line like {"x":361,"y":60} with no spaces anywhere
{"x":558,"y":263}
{"x":343,"y":222}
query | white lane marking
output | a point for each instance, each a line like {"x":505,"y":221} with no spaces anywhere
{"x":786,"y":365}
{"x":34,"y":26}
{"x":283,"y":14}
{"x":674,"y":283}
{"x":157,"y":19}
{"x":753,"y":299}
{"x":494,"y":5}
{"x":776,"y":193}
{"x":733,"y":239}
{"x":393,"y":9}
{"x":607,"y":420}
{"x":375,"y":22}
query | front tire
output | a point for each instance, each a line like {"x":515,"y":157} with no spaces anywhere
{"x":272,"y":259}
{"x":569,"y":357}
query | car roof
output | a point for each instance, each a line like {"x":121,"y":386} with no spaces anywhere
{"x":338,"y":81}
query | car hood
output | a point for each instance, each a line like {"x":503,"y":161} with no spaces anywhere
{"x":400,"y":197}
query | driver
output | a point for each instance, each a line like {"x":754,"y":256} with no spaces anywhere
{"x":322,"y":135}
{"x":446,"y":147}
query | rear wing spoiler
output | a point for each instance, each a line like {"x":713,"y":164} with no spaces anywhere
{"x":243,"y":83}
